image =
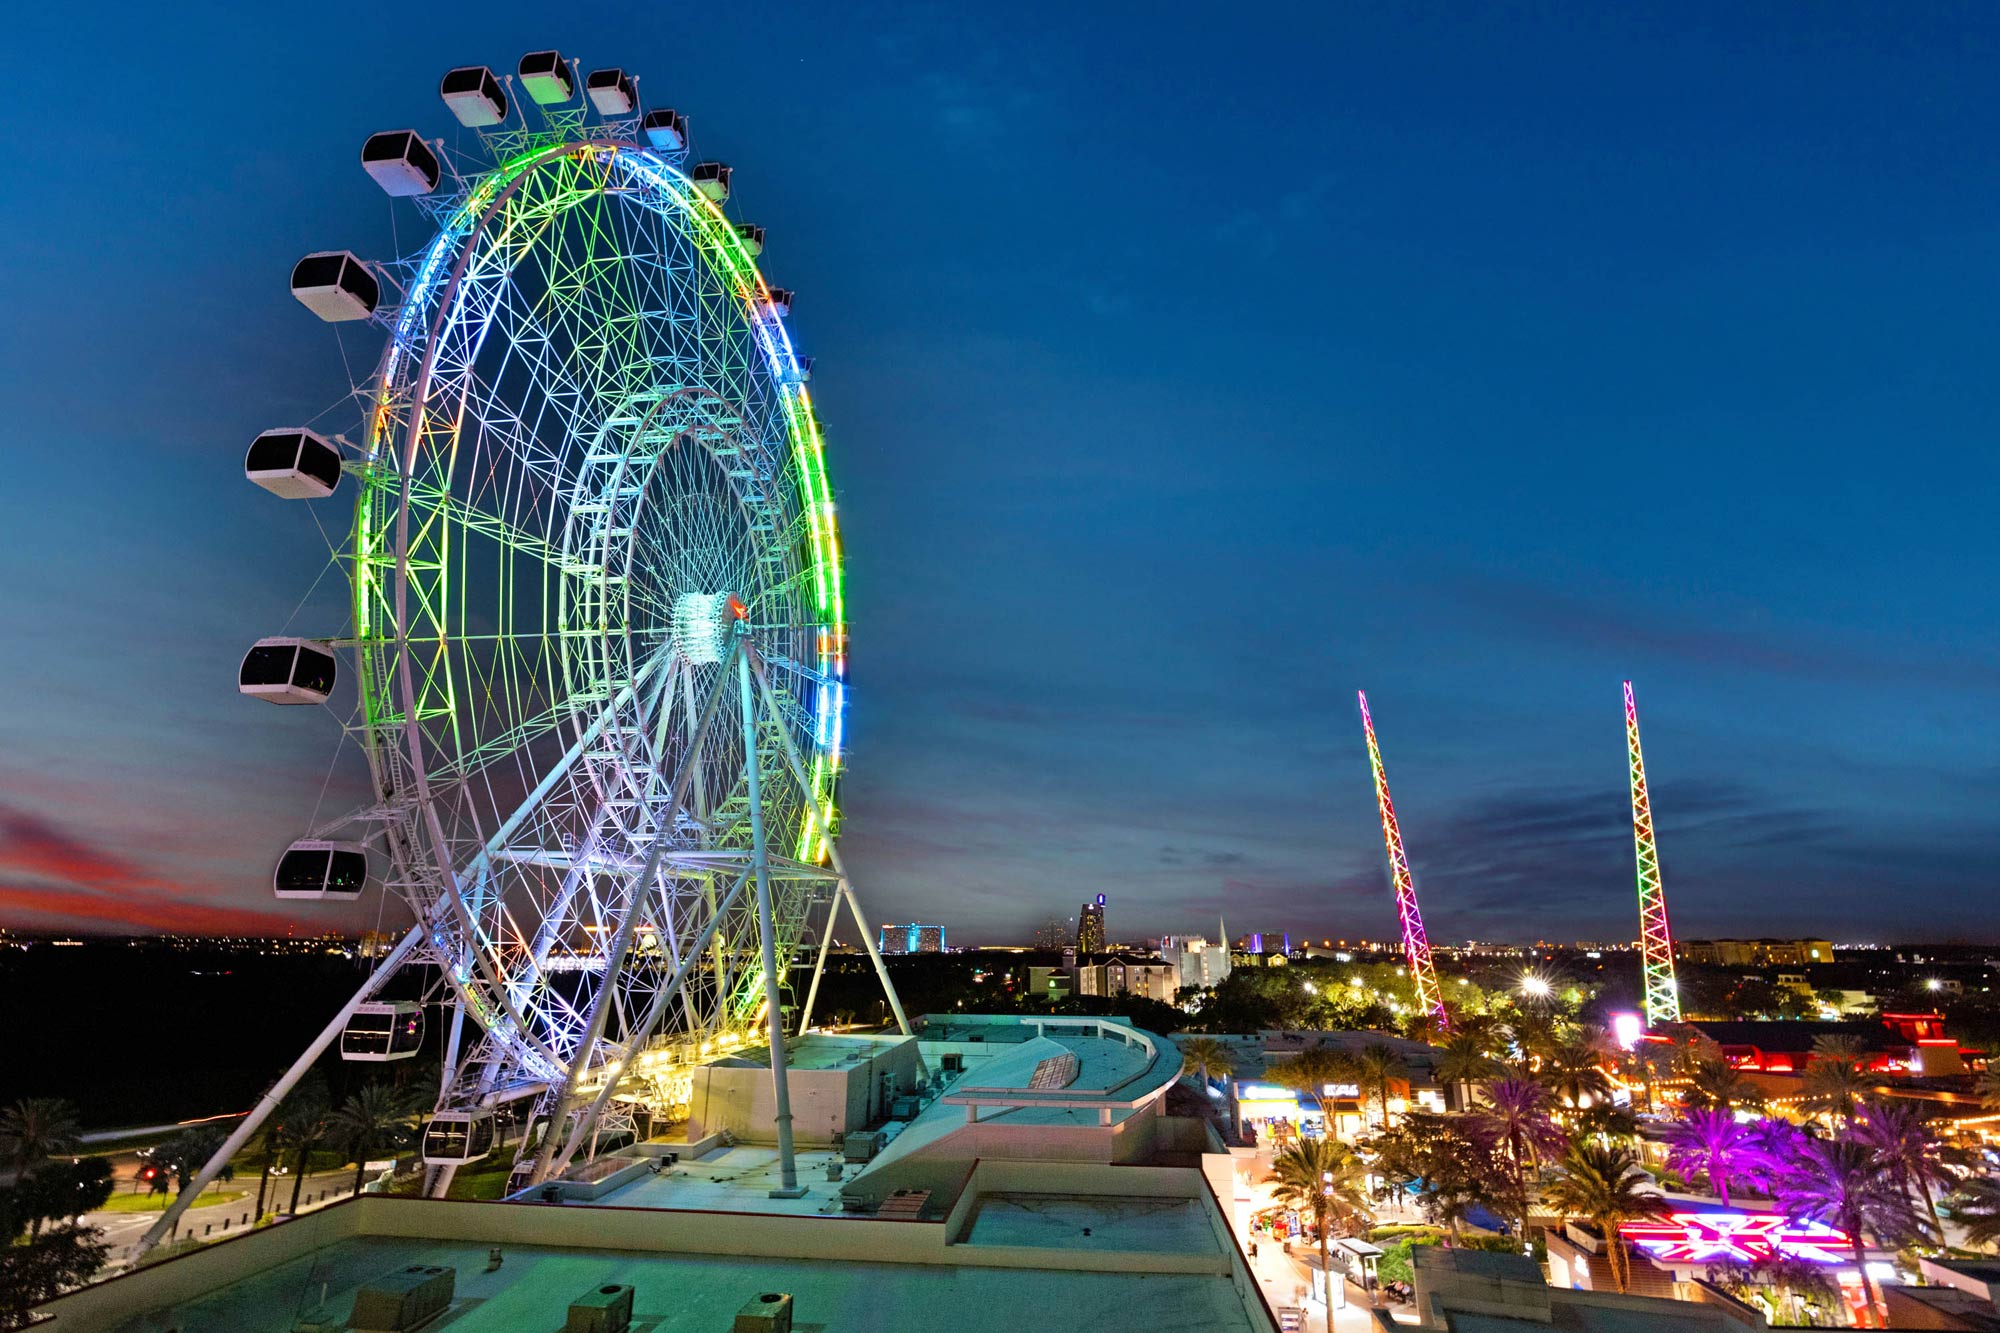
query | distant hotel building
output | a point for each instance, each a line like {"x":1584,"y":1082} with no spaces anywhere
{"x":1755,"y":953}
{"x":1199,"y":962}
{"x":1090,"y":927}
{"x":913,"y":938}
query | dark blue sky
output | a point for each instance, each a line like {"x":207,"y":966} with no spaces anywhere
{"x":1185,"y":369}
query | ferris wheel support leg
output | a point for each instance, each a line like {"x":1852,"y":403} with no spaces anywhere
{"x":760,"y":863}
{"x":661,"y":1003}
{"x":274,"y":1094}
{"x":846,"y":889}
{"x":819,"y":964}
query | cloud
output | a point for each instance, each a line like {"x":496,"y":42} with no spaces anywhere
{"x":51,"y":878}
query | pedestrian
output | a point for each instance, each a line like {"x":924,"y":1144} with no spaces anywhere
{"x":1253,"y":1249}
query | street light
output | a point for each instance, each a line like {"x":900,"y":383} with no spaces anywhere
{"x":1532,"y":985}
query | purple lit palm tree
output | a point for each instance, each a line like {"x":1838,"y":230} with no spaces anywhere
{"x":1710,"y":1141}
{"x":1845,"y":1184}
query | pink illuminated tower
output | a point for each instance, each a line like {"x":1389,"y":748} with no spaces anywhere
{"x":1416,"y":945}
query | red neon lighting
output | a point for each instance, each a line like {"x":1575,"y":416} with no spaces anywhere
{"x":1696,"y":1238}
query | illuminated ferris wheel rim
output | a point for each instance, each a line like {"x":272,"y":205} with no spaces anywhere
{"x":439,"y":282}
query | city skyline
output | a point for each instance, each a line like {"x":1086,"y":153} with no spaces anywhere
{"x":1603,"y":382}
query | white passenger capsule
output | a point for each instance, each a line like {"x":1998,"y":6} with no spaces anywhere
{"x":666,"y":130}
{"x":401,"y":163}
{"x":285,"y":670}
{"x":712,"y":179}
{"x":611,"y":92}
{"x":474,"y":96}
{"x":317,"y":871}
{"x":293,"y":464}
{"x":336,"y":286}
{"x":546,"y":76}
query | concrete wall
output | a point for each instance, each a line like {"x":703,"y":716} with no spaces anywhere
{"x":940,"y":1166}
{"x":641,"y":1230}
{"x":826,"y":1103}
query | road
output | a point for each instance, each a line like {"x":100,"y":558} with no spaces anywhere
{"x":122,"y":1231}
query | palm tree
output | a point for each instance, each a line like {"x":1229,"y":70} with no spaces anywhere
{"x":1517,"y":1123}
{"x":1975,"y":1205}
{"x":1897,"y":1132}
{"x":1606,"y":1187}
{"x":1989,"y":1088}
{"x":35,"y":1129}
{"x":1325,"y":1178}
{"x":1714,"y":1082}
{"x":1377,"y":1065}
{"x":1846,"y":1184}
{"x":1710,"y":1141}
{"x":305,"y":1114}
{"x":1463,"y":1061}
{"x":1206,"y":1059}
{"x":1834,"y":1081}
{"x":377,"y":1116}
{"x":1573,"y":1069}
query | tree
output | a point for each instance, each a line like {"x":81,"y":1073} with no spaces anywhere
{"x":1312,"y":1071}
{"x":1206,"y":1059}
{"x":1516,"y":1122}
{"x":1975,"y":1206}
{"x":1606,"y":1187}
{"x":1463,"y":1061}
{"x":376,"y":1116}
{"x":1844,"y":1183}
{"x":58,"y":1260}
{"x":1834,"y":1082}
{"x":1573,"y":1069}
{"x":1714,"y":1082}
{"x":1325,"y":1178}
{"x":1897,"y":1131}
{"x":57,"y":1190}
{"x":306,"y":1114}
{"x":1377,"y":1064}
{"x":1448,"y":1166}
{"x":1989,"y":1088}
{"x":1711,"y":1142}
{"x":35,"y":1129}
{"x":185,"y":1153}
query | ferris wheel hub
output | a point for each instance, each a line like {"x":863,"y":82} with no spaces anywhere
{"x":703,"y":622}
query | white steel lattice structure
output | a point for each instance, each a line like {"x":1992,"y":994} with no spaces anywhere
{"x":598,"y":631}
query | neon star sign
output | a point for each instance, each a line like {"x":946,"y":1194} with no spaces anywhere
{"x":1703,"y":1238}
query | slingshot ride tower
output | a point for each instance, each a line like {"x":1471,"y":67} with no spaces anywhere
{"x":596,"y":630}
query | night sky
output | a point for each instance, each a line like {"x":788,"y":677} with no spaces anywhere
{"x":1185,"y":369}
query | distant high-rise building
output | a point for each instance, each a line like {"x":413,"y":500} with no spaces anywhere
{"x":913,"y":938}
{"x":1090,"y":927}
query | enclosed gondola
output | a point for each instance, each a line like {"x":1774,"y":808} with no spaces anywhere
{"x":752,"y":238}
{"x":288,"y":671}
{"x":294,"y":464}
{"x":611,"y":92}
{"x":712,"y":179}
{"x":314,"y":870}
{"x":336,"y":286}
{"x":401,"y":163}
{"x":453,"y":1138}
{"x":666,"y":130}
{"x":381,"y":1030}
{"x":474,"y":96}
{"x":546,"y":76}
{"x":780,"y":301}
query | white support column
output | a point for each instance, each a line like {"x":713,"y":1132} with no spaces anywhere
{"x":788,"y":1168}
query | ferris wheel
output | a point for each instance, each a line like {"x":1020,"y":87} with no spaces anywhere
{"x":598,"y":637}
